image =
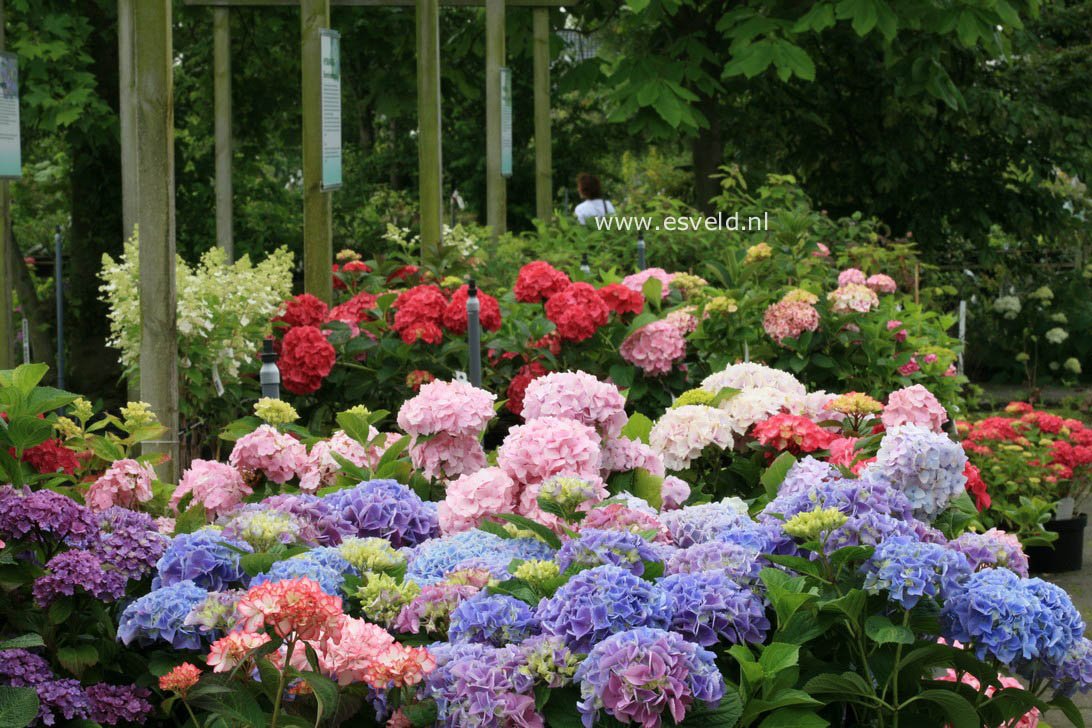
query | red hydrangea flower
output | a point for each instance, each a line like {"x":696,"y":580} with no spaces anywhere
{"x":353,"y":266}
{"x":406,"y":273}
{"x":539,"y":281}
{"x":1044,"y":421}
{"x":425,"y":331}
{"x":50,"y":456}
{"x":577,"y":311}
{"x":417,"y":377}
{"x":356,"y":309}
{"x":423,"y":304}
{"x":455,"y":314}
{"x":550,"y":342}
{"x":622,"y":299}
{"x":517,"y":388}
{"x":976,"y":487}
{"x":793,"y":433}
{"x":306,"y":358}
{"x":304,"y":310}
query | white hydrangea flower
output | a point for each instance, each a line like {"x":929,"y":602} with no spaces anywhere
{"x":1057,"y":335}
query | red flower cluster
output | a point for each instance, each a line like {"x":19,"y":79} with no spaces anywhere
{"x":419,"y":311}
{"x":454,"y":317}
{"x":356,"y":309}
{"x":539,"y":281}
{"x":306,"y":358}
{"x":517,"y":388}
{"x":577,"y":311}
{"x":622,"y":299}
{"x":354,"y":267}
{"x":793,"y":433}
{"x":49,"y":457}
{"x":551,"y":342}
{"x":405,"y":273}
{"x":419,"y":377}
{"x":304,"y":310}
{"x":976,"y":487}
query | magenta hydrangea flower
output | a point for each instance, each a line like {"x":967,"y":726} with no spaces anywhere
{"x":319,"y":469}
{"x":267,"y":450}
{"x":654,"y":348}
{"x":851,"y":275}
{"x":125,"y":483}
{"x":576,"y":396}
{"x":455,"y":408}
{"x":914,"y":405}
{"x":113,"y":704}
{"x":636,"y":281}
{"x":215,"y":485}
{"x":448,"y":456}
{"x":548,"y":446}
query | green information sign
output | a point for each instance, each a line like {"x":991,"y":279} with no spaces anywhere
{"x":11,"y":158}
{"x":330,"y":50}
{"x":506,"y":121}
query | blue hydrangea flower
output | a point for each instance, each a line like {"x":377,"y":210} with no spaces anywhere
{"x":703,"y":522}
{"x":909,"y":570}
{"x":806,"y":473}
{"x":1073,"y":674}
{"x":431,"y":561}
{"x":766,"y":538}
{"x":709,"y":607}
{"x":330,"y":580}
{"x":871,"y":493}
{"x":207,"y":557}
{"x":494,"y":619}
{"x":870,"y":529}
{"x":596,"y":546}
{"x":331,"y":558}
{"x":599,"y":602}
{"x":1066,"y":627}
{"x":926,"y":466}
{"x":161,"y":615}
{"x":387,"y":509}
{"x":739,"y":563}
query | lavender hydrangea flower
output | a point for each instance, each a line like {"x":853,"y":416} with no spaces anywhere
{"x":130,"y":542}
{"x":477,"y":685}
{"x":431,"y":609}
{"x":46,"y":513}
{"x":599,"y":602}
{"x":639,"y":674}
{"x":387,"y":509}
{"x":206,"y":557}
{"x":909,"y":571}
{"x":431,"y":561}
{"x":807,"y":473}
{"x":77,"y":569}
{"x":1073,"y":673}
{"x":766,"y":538}
{"x":926,"y":466}
{"x":113,"y":704}
{"x":494,"y":619}
{"x":992,"y":548}
{"x":708,"y":607}
{"x":329,"y":580}
{"x":21,"y":669}
{"x":869,"y":529}
{"x":161,"y":615}
{"x":871,"y":493}
{"x":595,"y":547}
{"x":260,"y":526}
{"x":321,"y":523}
{"x":704,"y":522}
{"x":738,"y":563}
{"x":61,"y":698}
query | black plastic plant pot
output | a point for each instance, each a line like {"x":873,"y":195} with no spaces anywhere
{"x":1066,"y":553}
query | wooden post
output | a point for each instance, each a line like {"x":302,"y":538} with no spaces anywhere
{"x":318,"y":248}
{"x":221,"y":80}
{"x":152,"y":69}
{"x":544,"y":188}
{"x":429,"y":149}
{"x":7,"y":257}
{"x":495,"y":207}
{"x":127,"y":107}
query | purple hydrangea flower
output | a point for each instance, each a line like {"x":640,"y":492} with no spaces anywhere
{"x":43,"y":513}
{"x":77,"y":569}
{"x":909,"y":570}
{"x":207,"y":557}
{"x":322,"y":524}
{"x":639,"y":674}
{"x":431,"y":609}
{"x":329,"y":579}
{"x":595,"y":546}
{"x":116,"y":518}
{"x":61,"y":698}
{"x":926,"y":466}
{"x":1073,"y":673}
{"x":387,"y":509}
{"x":871,"y":493}
{"x":21,"y":669}
{"x":868,"y":529}
{"x":113,"y":704}
{"x":807,"y":473}
{"x":477,"y":685}
{"x":708,"y":607}
{"x":739,"y":563}
{"x":992,"y":548}
{"x":704,"y":522}
{"x":495,"y":619}
{"x":434,"y":559}
{"x":130,"y":542}
{"x":161,"y":615}
{"x":599,"y":602}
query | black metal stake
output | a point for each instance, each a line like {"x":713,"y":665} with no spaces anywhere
{"x":584,"y":265}
{"x":474,"y":333}
{"x":58,"y":285}
{"x":641,"y":251}
{"x":269,"y":375}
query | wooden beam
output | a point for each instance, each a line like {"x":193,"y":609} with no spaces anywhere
{"x":7,"y":258}
{"x":127,"y":105}
{"x":155,"y":180}
{"x":380,"y":3}
{"x":429,"y":147}
{"x":544,"y":190}
{"x":221,"y":80}
{"x":495,"y":214}
{"x":318,"y":249}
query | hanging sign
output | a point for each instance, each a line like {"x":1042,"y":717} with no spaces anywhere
{"x":506,"y":121}
{"x":330,"y":52}
{"x":11,"y":162}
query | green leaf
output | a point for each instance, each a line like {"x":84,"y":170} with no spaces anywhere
{"x":850,"y":604}
{"x":1069,"y":710}
{"x":648,"y":486}
{"x":26,"y":377}
{"x":637,"y":5}
{"x":778,"y":656}
{"x":270,"y":677}
{"x":107,"y":449}
{"x":30,"y":639}
{"x":638,"y":427}
{"x":641,"y":319}
{"x":47,"y":399}
{"x":725,"y":715}
{"x":561,"y":710}
{"x":60,"y":611}
{"x":775,"y":474}
{"x":961,"y":714}
{"x":26,"y":431}
{"x":192,"y":519}
{"x":229,"y":700}
{"x":653,"y":290}
{"x":494,"y":528}
{"x":847,"y":684}
{"x":518,"y":589}
{"x":541,"y":531}
{"x":793,"y":718}
{"x":18,"y":706}
{"x":160,"y":663}
{"x":257,"y":563}
{"x":326,"y":693}
{"x":77,"y":659}
{"x":355,"y":426}
{"x":422,"y":714}
{"x":881,"y":631}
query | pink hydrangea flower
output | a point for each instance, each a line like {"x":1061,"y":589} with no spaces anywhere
{"x":654,"y":348}
{"x":851,"y":275}
{"x":548,"y":446}
{"x":822,"y":251}
{"x":914,"y":405}
{"x":165,"y":525}
{"x":620,"y":455}
{"x":319,"y":468}
{"x":673,"y":493}
{"x":853,"y":297}
{"x":358,"y":651}
{"x":473,"y":497}
{"x":457,"y":408}
{"x":269,"y":451}
{"x":900,"y":334}
{"x":841,"y":451}
{"x":228,"y":651}
{"x":684,"y":319}
{"x":448,"y":456}
{"x":125,"y":483}
{"x":215,"y":485}
{"x":788,"y":319}
{"x":637,"y":280}
{"x":619,"y":517}
{"x":576,"y":396}
{"x":292,"y":607}
{"x":930,"y":359}
{"x":909,"y":367}
{"x":881,"y":283}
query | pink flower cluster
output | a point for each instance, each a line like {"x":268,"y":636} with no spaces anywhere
{"x":914,"y":405}
{"x":673,"y":493}
{"x":788,"y":319}
{"x":319,"y":468}
{"x":125,"y":483}
{"x":620,"y":455}
{"x":215,"y":485}
{"x":853,"y":297}
{"x":636,"y":281}
{"x":684,"y":319}
{"x":548,"y":446}
{"x":447,"y":456}
{"x":269,"y":451}
{"x":881,"y":283}
{"x":457,"y":408}
{"x":617,"y":516}
{"x":358,"y":651}
{"x":683,"y":432}
{"x":900,"y":333}
{"x":473,"y":497}
{"x":654,"y":348}
{"x":576,"y":396}
{"x":793,"y":433}
{"x":851,"y":275}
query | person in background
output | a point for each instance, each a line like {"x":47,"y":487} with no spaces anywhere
{"x":592,"y":193}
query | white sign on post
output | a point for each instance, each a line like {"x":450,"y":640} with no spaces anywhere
{"x":506,"y":121}
{"x":11,"y":162}
{"x":330,"y":52}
